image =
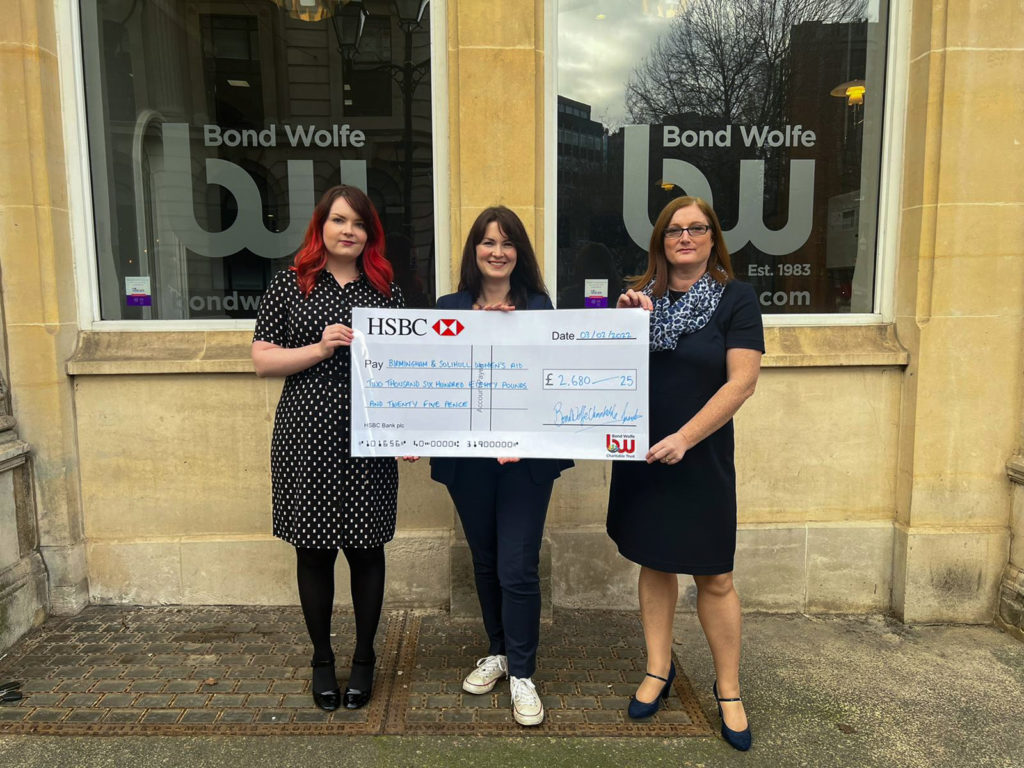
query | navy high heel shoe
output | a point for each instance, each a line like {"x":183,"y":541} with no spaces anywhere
{"x":740,"y":740}
{"x":639,"y":709}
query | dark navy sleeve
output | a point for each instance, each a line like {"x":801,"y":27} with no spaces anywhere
{"x":745,"y":329}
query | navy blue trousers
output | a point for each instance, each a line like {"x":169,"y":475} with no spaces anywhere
{"x":502,"y":511}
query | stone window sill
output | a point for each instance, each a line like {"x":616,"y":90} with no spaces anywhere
{"x":102,"y":353}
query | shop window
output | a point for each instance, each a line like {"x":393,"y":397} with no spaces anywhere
{"x":215,"y":125}
{"x":772,"y":112}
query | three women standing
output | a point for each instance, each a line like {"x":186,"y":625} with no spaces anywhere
{"x":676,"y":513}
{"x":503,"y":503}
{"x":324,"y":498}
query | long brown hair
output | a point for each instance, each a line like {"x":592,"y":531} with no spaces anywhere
{"x":311,"y":258}
{"x":525,"y":277}
{"x":719,"y":264}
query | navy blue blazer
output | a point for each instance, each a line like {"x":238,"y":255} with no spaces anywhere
{"x":444,"y":469}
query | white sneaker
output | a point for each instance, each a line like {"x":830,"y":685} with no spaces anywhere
{"x":489,"y":670}
{"x":526,"y":706}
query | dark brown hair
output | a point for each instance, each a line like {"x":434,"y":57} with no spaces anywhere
{"x":525,"y":277}
{"x":719,"y":264}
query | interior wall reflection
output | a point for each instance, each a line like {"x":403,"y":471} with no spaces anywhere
{"x":214,"y":126}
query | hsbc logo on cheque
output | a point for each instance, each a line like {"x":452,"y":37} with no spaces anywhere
{"x":448,"y":327}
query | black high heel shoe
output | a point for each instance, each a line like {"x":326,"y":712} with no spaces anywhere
{"x":740,"y":740}
{"x":639,"y":709}
{"x":328,"y":700}
{"x":362,"y":669}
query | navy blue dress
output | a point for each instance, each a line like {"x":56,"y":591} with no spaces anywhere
{"x":681,"y":518}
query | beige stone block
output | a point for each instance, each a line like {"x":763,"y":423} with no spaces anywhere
{"x":922,"y":20}
{"x":588,"y":571}
{"x":920,"y":172}
{"x":580,"y":495}
{"x":982,"y":156}
{"x":42,"y":404}
{"x":849,"y":568}
{"x":29,"y":23}
{"x":23,"y":599}
{"x":35,"y":256}
{"x":498,"y":25}
{"x":244,"y":571}
{"x":422,"y":503}
{"x":30,"y":116}
{"x":174,"y":455}
{"x":987,"y":278}
{"x":965,"y":425}
{"x":135,"y":572}
{"x":497,"y":88}
{"x":1017,"y":527}
{"x":417,"y":563}
{"x":463,"y":603}
{"x":952,"y":575}
{"x":983,"y":23}
{"x":835,"y":346}
{"x":10,"y":550}
{"x":899,"y":567}
{"x":908,"y":269}
{"x":770,"y":568}
{"x":818,"y":444}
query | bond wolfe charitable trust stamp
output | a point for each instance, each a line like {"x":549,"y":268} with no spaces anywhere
{"x":545,"y":384}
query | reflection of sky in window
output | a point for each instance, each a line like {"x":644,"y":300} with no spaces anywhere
{"x":599,"y":44}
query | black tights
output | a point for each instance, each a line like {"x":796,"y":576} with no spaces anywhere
{"x":315,"y":570}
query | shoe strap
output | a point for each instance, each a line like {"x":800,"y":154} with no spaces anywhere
{"x":323,"y":663}
{"x":728,"y":699}
{"x":659,"y":677}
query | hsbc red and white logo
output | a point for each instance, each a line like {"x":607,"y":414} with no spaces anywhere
{"x":448,"y":327}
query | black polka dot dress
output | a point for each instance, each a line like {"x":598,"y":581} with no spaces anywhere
{"x":323,"y":497}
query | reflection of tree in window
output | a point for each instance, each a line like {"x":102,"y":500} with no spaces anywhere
{"x":762,"y":64}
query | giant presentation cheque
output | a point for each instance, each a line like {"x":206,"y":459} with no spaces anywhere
{"x":546,"y":384}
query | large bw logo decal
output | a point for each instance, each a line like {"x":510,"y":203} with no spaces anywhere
{"x":750,"y":227}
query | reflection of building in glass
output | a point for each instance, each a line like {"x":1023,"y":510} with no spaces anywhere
{"x":215,"y":125}
{"x":588,"y":202}
{"x":821,"y":57}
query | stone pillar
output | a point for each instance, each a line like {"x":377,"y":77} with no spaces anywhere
{"x":22,"y":576}
{"x":40,"y":313}
{"x":1010,"y":614}
{"x":959,"y":303}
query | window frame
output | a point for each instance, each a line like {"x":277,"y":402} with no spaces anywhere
{"x":85,"y":250}
{"x":890,"y":171}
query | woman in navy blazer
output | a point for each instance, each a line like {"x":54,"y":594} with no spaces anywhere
{"x":502,"y":503}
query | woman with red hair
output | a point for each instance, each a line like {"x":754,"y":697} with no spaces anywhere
{"x":324,"y":498}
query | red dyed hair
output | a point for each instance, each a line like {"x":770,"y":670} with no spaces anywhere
{"x":311,"y":258}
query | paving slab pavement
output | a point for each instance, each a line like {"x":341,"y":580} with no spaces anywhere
{"x":820,"y":691}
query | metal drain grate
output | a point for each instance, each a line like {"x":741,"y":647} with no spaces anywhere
{"x":115,"y":671}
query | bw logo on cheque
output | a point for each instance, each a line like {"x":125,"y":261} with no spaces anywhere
{"x":620,"y":444}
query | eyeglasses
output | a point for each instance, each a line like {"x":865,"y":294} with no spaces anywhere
{"x":695,"y":230}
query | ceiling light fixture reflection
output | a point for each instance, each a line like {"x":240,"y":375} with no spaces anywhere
{"x":853,"y":91}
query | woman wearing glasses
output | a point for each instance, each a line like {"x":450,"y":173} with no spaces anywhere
{"x":676,"y":513}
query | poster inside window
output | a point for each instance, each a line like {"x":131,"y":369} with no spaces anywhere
{"x":772,"y":112}
{"x":215,"y":125}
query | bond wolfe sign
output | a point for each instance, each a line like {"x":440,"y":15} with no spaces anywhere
{"x":174,"y":186}
{"x":750,"y":227}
